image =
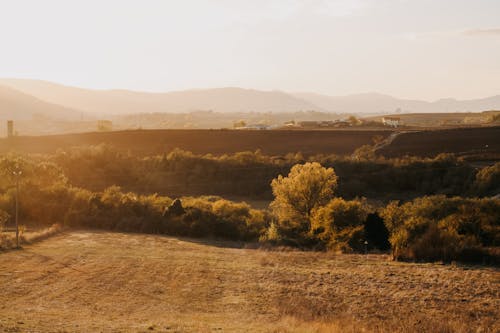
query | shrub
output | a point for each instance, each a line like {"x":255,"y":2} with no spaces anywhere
{"x":440,"y":228}
{"x":487,"y":181}
{"x":340,"y":224}
{"x":376,"y":233}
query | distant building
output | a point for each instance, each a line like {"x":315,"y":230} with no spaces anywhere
{"x":323,"y":123}
{"x":104,"y":125}
{"x":391,"y":121}
{"x":10,"y":128}
{"x":253,"y":127}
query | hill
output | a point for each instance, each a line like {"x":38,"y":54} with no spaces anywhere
{"x":378,"y":103}
{"x":232,"y":99}
{"x":17,"y":105}
{"x":130,"y":102}
{"x":114,"y":282}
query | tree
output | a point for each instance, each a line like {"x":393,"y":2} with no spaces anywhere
{"x":307,"y":187}
{"x":239,"y":123}
{"x":354,"y":121}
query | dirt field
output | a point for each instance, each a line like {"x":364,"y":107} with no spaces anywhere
{"x":112,"y":282}
{"x":468,"y":141}
{"x":218,"y":142}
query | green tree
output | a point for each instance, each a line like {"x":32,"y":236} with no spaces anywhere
{"x":307,"y":187}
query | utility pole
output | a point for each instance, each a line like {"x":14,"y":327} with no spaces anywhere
{"x":17,"y":174}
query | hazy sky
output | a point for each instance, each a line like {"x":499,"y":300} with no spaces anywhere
{"x":423,"y":49}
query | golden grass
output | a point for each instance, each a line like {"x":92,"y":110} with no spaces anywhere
{"x":114,"y":282}
{"x":8,"y":239}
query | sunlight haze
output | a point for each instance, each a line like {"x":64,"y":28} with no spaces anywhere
{"x":423,"y":49}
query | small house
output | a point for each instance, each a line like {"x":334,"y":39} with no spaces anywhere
{"x":391,"y":121}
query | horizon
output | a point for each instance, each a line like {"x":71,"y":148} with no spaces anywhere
{"x":402,"y":48}
{"x":291,"y":93}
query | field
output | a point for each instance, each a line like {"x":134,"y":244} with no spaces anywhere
{"x":216,"y":142}
{"x":111,"y":282}
{"x":465,"y":141}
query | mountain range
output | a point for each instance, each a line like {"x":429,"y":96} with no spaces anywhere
{"x":23,"y":98}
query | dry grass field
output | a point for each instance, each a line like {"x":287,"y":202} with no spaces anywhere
{"x":114,"y":282}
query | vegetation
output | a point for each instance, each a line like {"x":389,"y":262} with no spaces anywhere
{"x":249,"y":174}
{"x":307,"y":187}
{"x":487,"y":180}
{"x":439,"y":228}
{"x":341,"y":224}
{"x":315,"y":206}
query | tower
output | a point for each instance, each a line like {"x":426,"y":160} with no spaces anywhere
{"x":10,"y":128}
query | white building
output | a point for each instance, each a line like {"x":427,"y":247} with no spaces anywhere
{"x":391,"y":121}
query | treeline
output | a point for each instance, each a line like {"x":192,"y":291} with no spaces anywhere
{"x":46,"y":197}
{"x":309,"y":214}
{"x":308,"y":209}
{"x":249,"y":174}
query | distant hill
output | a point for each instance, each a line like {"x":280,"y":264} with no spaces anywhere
{"x":120,"y":102}
{"x":130,"y":102}
{"x":378,"y":103}
{"x":16,"y":105}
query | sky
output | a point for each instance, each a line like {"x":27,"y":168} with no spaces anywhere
{"x":419,"y":49}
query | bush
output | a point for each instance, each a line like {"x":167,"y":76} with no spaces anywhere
{"x":440,"y":228}
{"x":376,"y":233}
{"x":487,"y":180}
{"x":340,"y":224}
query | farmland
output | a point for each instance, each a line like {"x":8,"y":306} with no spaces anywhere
{"x":465,"y":141}
{"x":478,"y":140}
{"x":216,"y":142}
{"x":98,"y":281}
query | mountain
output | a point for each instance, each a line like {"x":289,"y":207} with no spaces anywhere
{"x":16,"y":105}
{"x":378,"y":103}
{"x":129,"y":102}
{"x":234,"y":100}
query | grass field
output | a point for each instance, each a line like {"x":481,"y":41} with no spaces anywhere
{"x":112,"y":282}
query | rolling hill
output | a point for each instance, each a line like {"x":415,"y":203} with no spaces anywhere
{"x":233,"y":99}
{"x":130,"y":102}
{"x":16,"y":105}
{"x":379,"y":103}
